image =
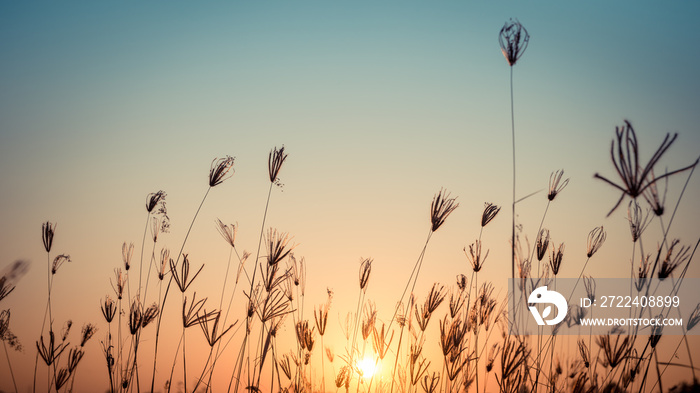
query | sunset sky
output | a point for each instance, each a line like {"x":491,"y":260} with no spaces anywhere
{"x":379,"y":106}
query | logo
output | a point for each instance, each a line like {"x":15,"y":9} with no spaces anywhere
{"x":542,"y":295}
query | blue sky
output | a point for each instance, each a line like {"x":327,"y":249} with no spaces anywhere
{"x":378,"y":104}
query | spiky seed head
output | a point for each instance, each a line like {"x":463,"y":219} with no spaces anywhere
{"x":47,"y":232}
{"x":58,"y":262}
{"x":440,"y":208}
{"x":490,"y":211}
{"x":555,"y":184}
{"x":542,"y":243}
{"x":274,"y":163}
{"x":154,"y":199}
{"x":221,"y":169}
{"x":556,"y":258}
{"x":365,"y":270}
{"x":127,"y":253}
{"x":596,"y":238}
{"x":513,"y":39}
{"x":227,"y":232}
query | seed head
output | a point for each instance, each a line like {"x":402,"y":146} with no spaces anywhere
{"x":490,"y":211}
{"x":542,"y":243}
{"x":227,"y":232}
{"x":127,"y":253}
{"x":671,"y":261}
{"x":109,"y":309}
{"x":154,"y":199}
{"x":277,"y":248}
{"x":556,"y":258}
{"x":555,"y":184}
{"x":513,"y":39}
{"x":596,"y":238}
{"x":58,"y":262}
{"x":637,"y":219}
{"x":219,"y":171}
{"x":625,"y":157}
{"x":47,"y":231}
{"x":474,"y":256}
{"x":441,"y":207}
{"x":274,"y":163}
{"x":365,"y":270}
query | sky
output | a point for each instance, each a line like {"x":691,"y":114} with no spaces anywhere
{"x":379,"y":106}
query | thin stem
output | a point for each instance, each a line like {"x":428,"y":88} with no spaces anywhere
{"x":9,"y":364}
{"x":167,"y":290}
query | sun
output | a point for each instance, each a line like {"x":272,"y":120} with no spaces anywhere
{"x":367,"y":367}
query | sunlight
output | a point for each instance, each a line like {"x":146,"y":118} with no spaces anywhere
{"x":366,"y":367}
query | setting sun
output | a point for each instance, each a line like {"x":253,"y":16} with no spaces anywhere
{"x":367,"y":367}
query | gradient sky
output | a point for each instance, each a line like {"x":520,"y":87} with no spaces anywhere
{"x":378,"y":105}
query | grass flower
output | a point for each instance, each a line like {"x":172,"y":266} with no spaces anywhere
{"x":182,"y":277}
{"x":149,"y":315}
{"x":694,"y":317}
{"x":219,"y":171}
{"x":671,"y":262}
{"x":52,"y":351}
{"x":127,"y":253}
{"x":556,"y":258}
{"x":513,"y":39}
{"x":474,"y":256}
{"x":440,"y":208}
{"x":637,"y":219}
{"x":635,"y":178}
{"x":227,"y":232}
{"x":155,"y":199}
{"x":542,"y":243}
{"x":589,"y":284}
{"x":164,"y":257}
{"x":490,"y":211}
{"x":365,"y":270}
{"x":58,"y":262}
{"x":109,"y":309}
{"x":211,"y":330}
{"x":277,"y":248}
{"x":596,"y":238}
{"x":584,"y":352}
{"x":274,"y":163}
{"x":86,"y":333}
{"x":614,"y":353}
{"x":555,"y":184}
{"x":651,"y":194}
{"x":47,"y":232}
{"x":430,"y":383}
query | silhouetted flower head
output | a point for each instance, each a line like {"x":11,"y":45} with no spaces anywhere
{"x":220,"y":169}
{"x":490,"y":211}
{"x":637,"y":219}
{"x":542,"y":243}
{"x":277,"y":246}
{"x":58,"y":262}
{"x":672,"y":261}
{"x":441,"y":207}
{"x":154,"y":199}
{"x":274,"y":163}
{"x":127,"y":253}
{"x":651,"y":194}
{"x":365,"y":270}
{"x":596,"y":238}
{"x":513,"y":39}
{"x":227,"y":232}
{"x":625,"y":157}
{"x":474,"y":256}
{"x":556,"y":258}
{"x":555,"y":184}
{"x":47,"y":231}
